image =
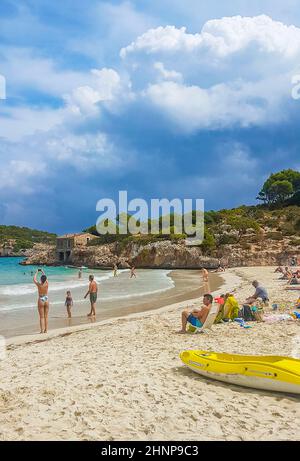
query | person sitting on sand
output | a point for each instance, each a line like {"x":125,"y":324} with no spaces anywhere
{"x":287,"y":275}
{"x":93,"y":291}
{"x":260,"y":293}
{"x":279,"y":270}
{"x":43,"y":300}
{"x":69,"y":303}
{"x":196,"y":317}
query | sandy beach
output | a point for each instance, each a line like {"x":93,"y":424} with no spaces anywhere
{"x":122,"y":379}
{"x":184,"y":284}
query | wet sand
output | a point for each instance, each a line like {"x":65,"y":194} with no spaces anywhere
{"x":188,"y":285}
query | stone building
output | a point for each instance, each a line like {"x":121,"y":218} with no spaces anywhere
{"x":66,"y":243}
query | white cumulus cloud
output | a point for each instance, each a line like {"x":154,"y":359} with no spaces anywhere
{"x":221,"y":37}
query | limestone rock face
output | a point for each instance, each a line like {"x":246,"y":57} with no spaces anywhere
{"x":103,"y":256}
{"x":41,"y":255}
{"x":169,"y":255}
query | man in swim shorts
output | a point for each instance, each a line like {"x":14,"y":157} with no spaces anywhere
{"x":43,"y":301}
{"x":197,"y":317}
{"x":93,"y":291}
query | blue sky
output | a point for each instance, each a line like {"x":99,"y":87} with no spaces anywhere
{"x":164,"y":99}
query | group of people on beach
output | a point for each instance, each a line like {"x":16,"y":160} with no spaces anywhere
{"x":132,"y":271}
{"x":228,"y":309}
{"x":43,"y":299}
{"x":291,"y":276}
{"x":228,"y":306}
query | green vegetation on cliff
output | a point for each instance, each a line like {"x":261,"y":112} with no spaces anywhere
{"x":281,"y":187}
{"x":277,"y":218}
{"x":23,"y":237}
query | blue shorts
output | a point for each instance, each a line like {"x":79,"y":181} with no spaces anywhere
{"x":194,"y":321}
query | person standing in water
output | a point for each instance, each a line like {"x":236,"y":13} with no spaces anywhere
{"x":80,"y":273}
{"x":204,"y":274}
{"x":93,"y":291}
{"x":115,"y":270}
{"x":69,"y":303}
{"x":43,"y":300}
{"x":132,"y":272}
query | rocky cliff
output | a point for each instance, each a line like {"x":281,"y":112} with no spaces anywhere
{"x":41,"y":255}
{"x":168,"y":254}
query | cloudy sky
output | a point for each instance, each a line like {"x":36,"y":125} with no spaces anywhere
{"x":163,"y":98}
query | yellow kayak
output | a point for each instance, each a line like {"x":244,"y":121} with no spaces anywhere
{"x":273,"y":373}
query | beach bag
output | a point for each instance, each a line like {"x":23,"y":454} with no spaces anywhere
{"x":246,"y":313}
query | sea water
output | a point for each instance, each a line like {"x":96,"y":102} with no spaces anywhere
{"x":18,"y":292}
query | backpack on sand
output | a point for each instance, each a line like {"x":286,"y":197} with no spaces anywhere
{"x":246,"y":313}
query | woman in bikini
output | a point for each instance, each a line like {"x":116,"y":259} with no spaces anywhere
{"x":43,"y":302}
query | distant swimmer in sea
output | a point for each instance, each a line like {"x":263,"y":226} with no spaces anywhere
{"x":93,"y":291}
{"x":132,"y":272}
{"x":43,"y":301}
{"x":69,"y":303}
{"x":115,"y":270}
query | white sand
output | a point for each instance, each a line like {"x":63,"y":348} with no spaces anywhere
{"x":123,"y":379}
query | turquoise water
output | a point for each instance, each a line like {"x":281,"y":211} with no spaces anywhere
{"x":17,"y":290}
{"x":11,"y":272}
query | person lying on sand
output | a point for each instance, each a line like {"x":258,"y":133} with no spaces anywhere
{"x":196,"y":317}
{"x":93,"y":290}
{"x":43,"y":301}
{"x":260,"y":293}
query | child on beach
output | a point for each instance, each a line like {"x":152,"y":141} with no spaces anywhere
{"x":69,"y":303}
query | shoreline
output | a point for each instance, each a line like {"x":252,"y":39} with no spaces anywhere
{"x":187,"y":286}
{"x":38,"y":338}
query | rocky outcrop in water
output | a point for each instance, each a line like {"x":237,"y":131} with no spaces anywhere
{"x":41,"y":255}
